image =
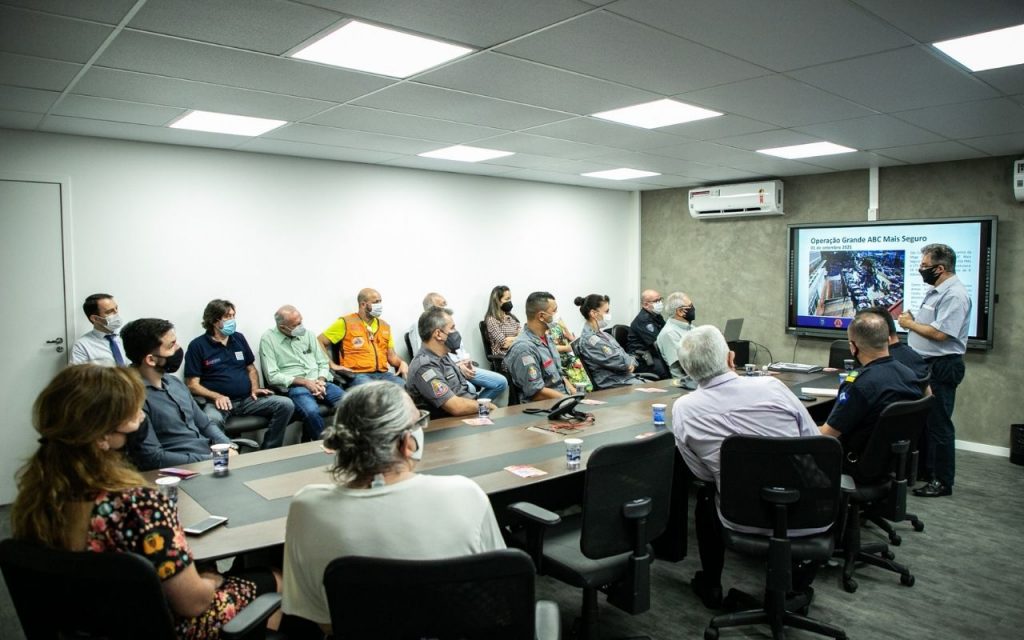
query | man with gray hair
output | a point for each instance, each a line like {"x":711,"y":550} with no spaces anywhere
{"x":293,"y":362}
{"x":725,"y":404}
{"x":939,"y":334}
{"x":681,"y":314}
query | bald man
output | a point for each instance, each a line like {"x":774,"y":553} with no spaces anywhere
{"x":643,"y":335}
{"x":366,"y":345}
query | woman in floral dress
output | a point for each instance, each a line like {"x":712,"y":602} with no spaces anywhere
{"x":78,"y":492}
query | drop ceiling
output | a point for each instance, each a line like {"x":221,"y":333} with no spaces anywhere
{"x":860,"y":73}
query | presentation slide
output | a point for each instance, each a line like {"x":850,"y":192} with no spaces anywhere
{"x":840,"y":270}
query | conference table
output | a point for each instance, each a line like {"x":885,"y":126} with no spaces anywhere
{"x":256,"y":492}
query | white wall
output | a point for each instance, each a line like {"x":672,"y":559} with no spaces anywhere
{"x":166,"y":228}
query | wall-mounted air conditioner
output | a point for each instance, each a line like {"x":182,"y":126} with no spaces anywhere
{"x":734,"y":200}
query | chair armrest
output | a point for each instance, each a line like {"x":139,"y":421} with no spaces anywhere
{"x":636,"y":509}
{"x":247,"y":443}
{"x":547,"y":622}
{"x":779,"y":495}
{"x":847,"y":484}
{"x":251,"y":621}
{"x":647,"y":376}
{"x":532,"y":512}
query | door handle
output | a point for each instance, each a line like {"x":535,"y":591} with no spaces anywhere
{"x":55,"y":341}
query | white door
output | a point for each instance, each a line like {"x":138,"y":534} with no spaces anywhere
{"x":33,"y":339}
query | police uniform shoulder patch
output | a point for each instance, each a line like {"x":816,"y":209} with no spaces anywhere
{"x":606,"y":350}
{"x":850,"y":377}
{"x":650,"y":327}
{"x":594,"y":339}
{"x":428,"y":375}
{"x":528,"y":360}
{"x":439,"y":388}
{"x":532,"y":373}
{"x":842,"y":398}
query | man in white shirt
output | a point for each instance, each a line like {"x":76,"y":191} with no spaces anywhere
{"x":680,"y":320}
{"x":102,"y":345}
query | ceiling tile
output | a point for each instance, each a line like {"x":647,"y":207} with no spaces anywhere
{"x":116,"y":110}
{"x":320,"y":151}
{"x":400,"y":124}
{"x":1006,"y":79}
{"x":1011,"y":144}
{"x":933,"y":152}
{"x":858,"y":160}
{"x":871,"y":132}
{"x":705,"y":152}
{"x":19,"y":119}
{"x":36,"y":73}
{"x":778,"y":35}
{"x":480,"y":23}
{"x":528,"y":161}
{"x":896,"y":80}
{"x":609,"y":134}
{"x":778,"y":100}
{"x":452,"y":166}
{"x":729,"y":174}
{"x":768,"y":139}
{"x":108,"y":11}
{"x":167,"y":56}
{"x":660,"y":164}
{"x":501,"y":76}
{"x":970,"y":119}
{"x":47,"y":36}
{"x":20,"y":99}
{"x":139,"y":132}
{"x":543,"y":145}
{"x":355,"y":139}
{"x":721,"y":126}
{"x":576,"y":180}
{"x":769,"y":166}
{"x":271,"y":26}
{"x":606,"y":46}
{"x":141,"y":87}
{"x":423,"y":100}
{"x":936,"y":20}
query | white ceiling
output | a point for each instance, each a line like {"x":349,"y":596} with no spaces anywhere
{"x":855,"y":72}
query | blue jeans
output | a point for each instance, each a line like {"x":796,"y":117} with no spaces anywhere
{"x":490,"y":384}
{"x":947,"y":373}
{"x":363,"y":378}
{"x":276,"y":409}
{"x":307,"y":409}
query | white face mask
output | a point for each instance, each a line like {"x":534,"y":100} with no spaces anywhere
{"x":114,"y":323}
{"x":658,"y":307}
{"x":606,"y":321}
{"x":417,"y":435}
{"x":298,"y":331}
{"x":376,"y":309}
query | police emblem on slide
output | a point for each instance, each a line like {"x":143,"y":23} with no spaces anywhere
{"x":650,"y":327}
{"x":358,"y":342}
{"x":439,"y":388}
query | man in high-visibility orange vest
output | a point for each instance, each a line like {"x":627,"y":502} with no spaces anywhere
{"x":365,"y":343}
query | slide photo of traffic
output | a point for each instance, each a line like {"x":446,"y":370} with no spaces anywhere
{"x":841,"y":283}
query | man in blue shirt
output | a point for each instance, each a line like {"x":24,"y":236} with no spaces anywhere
{"x":175,"y":431}
{"x":219,"y":366}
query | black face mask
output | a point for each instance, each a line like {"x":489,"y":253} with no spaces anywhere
{"x":506,"y":306}
{"x":690,"y":314}
{"x":453,"y":341}
{"x":929,"y":275}
{"x":172,"y":362}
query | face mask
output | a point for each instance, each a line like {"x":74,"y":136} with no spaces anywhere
{"x":298,"y":331}
{"x":606,"y":321}
{"x":114,"y":323}
{"x":417,"y":435}
{"x":228,"y":328}
{"x":172,"y":362}
{"x":506,"y":306}
{"x":658,"y":306}
{"x":453,"y":341}
{"x":690,"y":314}
{"x":929,"y":275}
{"x":376,"y":309}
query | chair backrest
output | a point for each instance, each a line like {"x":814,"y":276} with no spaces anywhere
{"x":485,"y":595}
{"x":486,"y":339}
{"x":620,"y":473}
{"x":61,"y":594}
{"x":408,"y":345}
{"x":838,"y":351}
{"x":899,"y":421}
{"x":621,"y":334}
{"x":812,"y":465}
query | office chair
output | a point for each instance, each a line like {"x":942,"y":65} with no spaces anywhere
{"x":627,"y":497}
{"x":621,"y":334}
{"x":878,"y":482}
{"x":408,"y":345}
{"x":778,"y":484}
{"x":482,"y":596}
{"x":113,"y":596}
{"x":838,"y":351}
{"x":497,"y":362}
{"x":590,"y":372}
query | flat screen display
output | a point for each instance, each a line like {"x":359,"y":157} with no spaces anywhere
{"x":836,"y":270}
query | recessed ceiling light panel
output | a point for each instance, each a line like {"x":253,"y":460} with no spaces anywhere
{"x":620,"y":174}
{"x":806,"y":150}
{"x":659,"y":113}
{"x":465,"y":153}
{"x":213,"y":122}
{"x":989,"y":50}
{"x":365,"y":47}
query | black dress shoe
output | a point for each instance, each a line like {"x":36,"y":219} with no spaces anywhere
{"x":933,"y":489}
{"x":711,"y":596}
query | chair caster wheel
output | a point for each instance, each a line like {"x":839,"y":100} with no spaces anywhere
{"x":907,"y":580}
{"x":918,"y":526}
{"x":895,"y":540}
{"x":711,"y":633}
{"x":888,"y":555}
{"x":849,"y":585}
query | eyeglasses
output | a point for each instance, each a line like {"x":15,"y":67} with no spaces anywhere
{"x":418,"y":423}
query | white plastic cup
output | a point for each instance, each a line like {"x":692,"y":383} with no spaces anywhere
{"x":573,"y":453}
{"x":483,"y":408}
{"x":751,"y":369}
{"x":221,"y":452}
{"x":849,"y":364}
{"x":168,"y":486}
{"x":658,"y":414}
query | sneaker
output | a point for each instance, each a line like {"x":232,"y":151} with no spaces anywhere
{"x":933,"y":489}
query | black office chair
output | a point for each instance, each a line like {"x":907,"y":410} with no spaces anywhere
{"x":621,"y":334}
{"x":486,"y":595}
{"x":590,"y":371}
{"x":838,"y":351}
{"x":497,"y":362}
{"x":114,"y":596}
{"x":779,"y":484}
{"x":408,"y":345}
{"x":626,"y":501}
{"x":878,"y":483}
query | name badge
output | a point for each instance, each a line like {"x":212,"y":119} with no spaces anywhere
{"x":239,"y":356}
{"x":547,"y":363}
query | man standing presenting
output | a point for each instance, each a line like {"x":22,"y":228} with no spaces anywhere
{"x":219,"y":367}
{"x":102,"y":345}
{"x":939,"y":334}
{"x":681,"y":316}
{"x":532,"y":361}
{"x":367,"y":346}
{"x":643,"y":334}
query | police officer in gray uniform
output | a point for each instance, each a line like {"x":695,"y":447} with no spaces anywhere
{"x":532,"y":362}
{"x":606,"y":361}
{"x":434,"y":381}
